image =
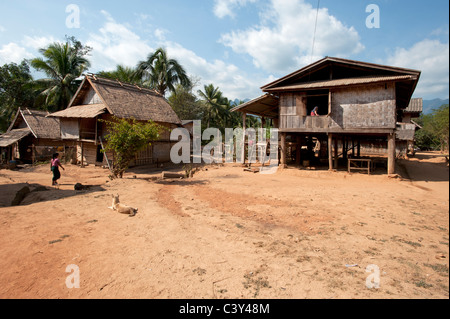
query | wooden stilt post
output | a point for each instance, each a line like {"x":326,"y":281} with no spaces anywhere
{"x":283,"y":150}
{"x":391,"y":153}
{"x":298,"y":152}
{"x":244,"y":129}
{"x":330,"y":151}
{"x":359,"y":148}
{"x":82,"y":155}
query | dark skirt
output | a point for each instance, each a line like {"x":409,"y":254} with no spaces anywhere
{"x":56,"y":173}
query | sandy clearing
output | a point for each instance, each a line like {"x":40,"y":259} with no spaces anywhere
{"x":227,"y":233}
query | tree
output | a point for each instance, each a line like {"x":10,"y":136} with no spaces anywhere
{"x":126,"y":138}
{"x":161,"y":73}
{"x":435,"y":129}
{"x":123,"y":74}
{"x":63,"y":63}
{"x":215,"y":103}
{"x":16,"y":90}
{"x":186,"y":104}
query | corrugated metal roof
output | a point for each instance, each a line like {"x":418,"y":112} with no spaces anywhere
{"x":13,"y":136}
{"x":81,"y":111}
{"x":343,"y":82}
{"x":344,"y":62}
{"x":263,"y":106}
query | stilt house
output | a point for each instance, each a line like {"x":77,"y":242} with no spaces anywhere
{"x":357,"y":102}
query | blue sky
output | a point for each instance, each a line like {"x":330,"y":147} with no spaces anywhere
{"x":239,"y":45}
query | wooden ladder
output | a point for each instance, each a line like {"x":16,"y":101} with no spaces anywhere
{"x":104,"y":152}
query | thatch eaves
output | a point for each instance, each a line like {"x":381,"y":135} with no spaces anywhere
{"x":81,"y":111}
{"x":127,"y":100}
{"x":13,"y":136}
{"x":39,"y":124}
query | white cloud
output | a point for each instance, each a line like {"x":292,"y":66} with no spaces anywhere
{"x":38,"y":42}
{"x":116,"y":44}
{"x":12,"y":52}
{"x":223,"y":8}
{"x":232,"y":81}
{"x":283,"y":40}
{"x":160,"y":34}
{"x":430,"y":57}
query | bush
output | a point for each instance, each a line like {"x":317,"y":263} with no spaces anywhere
{"x":127,"y":137}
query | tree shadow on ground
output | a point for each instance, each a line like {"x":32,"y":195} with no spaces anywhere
{"x":23,"y":194}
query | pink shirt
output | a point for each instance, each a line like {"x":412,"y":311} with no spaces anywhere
{"x":55,"y":162}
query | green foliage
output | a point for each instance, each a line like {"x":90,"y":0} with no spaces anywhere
{"x":123,"y":74}
{"x":127,"y":137}
{"x":161,"y":73}
{"x":63,"y":63}
{"x":186,"y":104}
{"x":435,"y":129}
{"x":16,"y":90}
{"x":216,"y":106}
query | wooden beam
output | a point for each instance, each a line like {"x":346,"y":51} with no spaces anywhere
{"x":330,"y":152}
{"x":298,"y":151}
{"x":329,"y":103}
{"x":391,"y":154}
{"x":244,"y":129}
{"x":283,"y":150}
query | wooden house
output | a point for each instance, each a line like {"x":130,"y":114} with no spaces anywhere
{"x":407,"y":127}
{"x":31,"y":137}
{"x":356,"y":102}
{"x":102,"y":99}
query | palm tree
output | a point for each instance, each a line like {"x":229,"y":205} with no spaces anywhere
{"x":161,"y":73}
{"x":63,"y":63}
{"x":216,"y":104}
{"x":121,"y":73}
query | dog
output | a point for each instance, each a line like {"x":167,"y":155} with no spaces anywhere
{"x":122,"y":209}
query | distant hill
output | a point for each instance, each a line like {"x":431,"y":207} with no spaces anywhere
{"x":429,"y":105}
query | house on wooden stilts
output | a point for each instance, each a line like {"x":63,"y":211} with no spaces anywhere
{"x":357,"y":102}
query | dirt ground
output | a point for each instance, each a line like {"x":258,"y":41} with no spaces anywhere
{"x":227,"y":233}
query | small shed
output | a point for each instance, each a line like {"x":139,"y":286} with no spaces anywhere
{"x":31,"y":137}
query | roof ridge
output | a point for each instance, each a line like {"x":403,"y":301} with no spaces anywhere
{"x":124,"y":85}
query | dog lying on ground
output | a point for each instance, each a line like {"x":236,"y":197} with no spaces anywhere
{"x":122,"y":209}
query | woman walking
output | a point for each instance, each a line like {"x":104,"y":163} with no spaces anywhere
{"x":56,"y":164}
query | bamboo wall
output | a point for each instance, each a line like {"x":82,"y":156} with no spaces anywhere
{"x":364,"y":107}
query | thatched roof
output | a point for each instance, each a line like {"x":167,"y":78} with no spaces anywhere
{"x":13,"y":136}
{"x":39,"y":124}
{"x":126,"y":100}
{"x":81,"y":111}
